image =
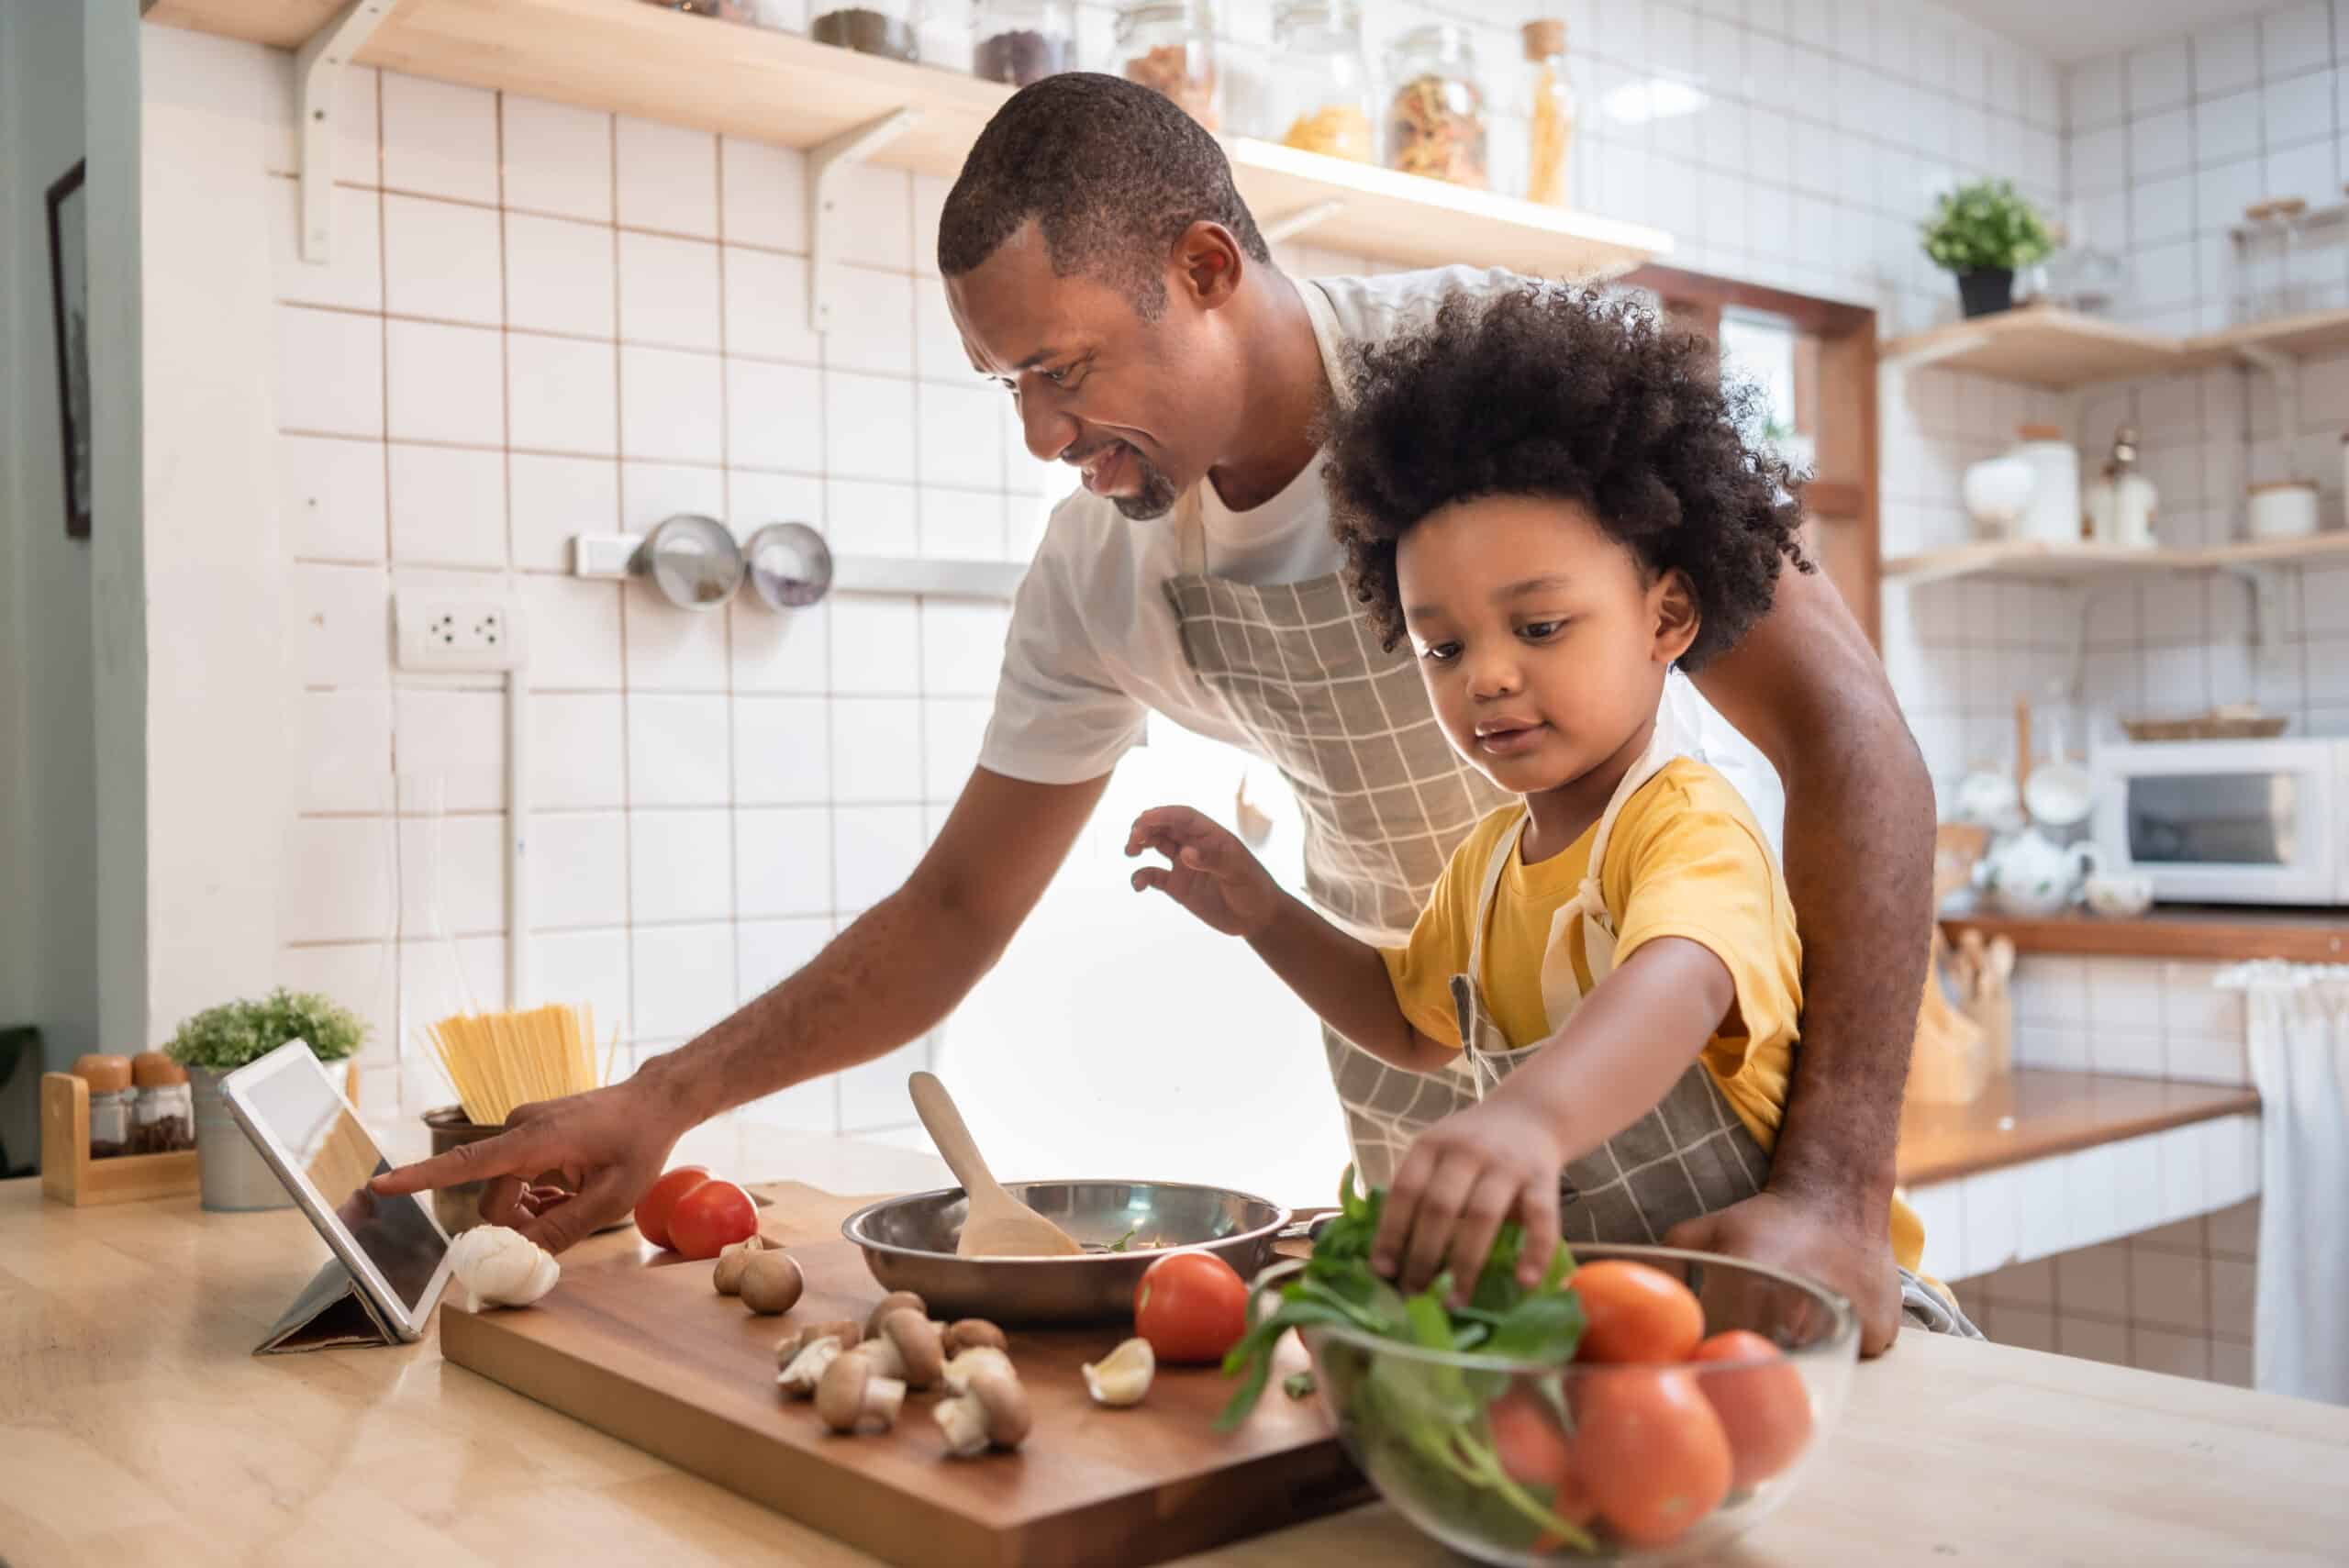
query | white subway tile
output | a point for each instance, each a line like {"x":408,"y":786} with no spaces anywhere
{"x":674,"y":649}
{"x":329,"y":373}
{"x":351,"y":277}
{"x":560,"y":276}
{"x":772,"y":950}
{"x":774,"y":416}
{"x":755,"y":499}
{"x":2045,"y":1212}
{"x":448,"y":505}
{"x":683,"y":979}
{"x":2100,"y":160}
{"x":960,"y":436}
{"x":359,"y":975}
{"x":782,"y":653}
{"x":2182,"y":1167}
{"x":440,"y":140}
{"x":458,"y":735}
{"x":2125,"y":994}
{"x":2051,"y":991}
{"x":2091,"y":1193}
{"x":813,"y":1106}
{"x":666,"y":179}
{"x":564,"y":395}
{"x":930,"y":205}
{"x":444,"y":384}
{"x":782,"y":752}
{"x":876,"y":646}
{"x":766,"y":196}
{"x":339,"y":624}
{"x":442,"y":260}
{"x":346,"y":752}
{"x":2195,"y":1006}
{"x":2310,"y":172}
{"x":961,"y":648}
{"x":962,"y":525}
{"x":681,"y":866}
{"x":438,"y":977}
{"x":1938,"y":1211}
{"x":2161,"y":143}
{"x":356,"y":111}
{"x":2137,"y":1184}
{"x":2295,"y":39}
{"x":874,"y":848}
{"x":2131,"y":1052}
{"x":578,"y":870}
{"x":452,"y":873}
{"x":876,"y":216}
{"x":784,"y":862}
{"x":671,"y":405}
{"x":677,"y":751}
{"x":2158,"y":78}
{"x":589,"y":969}
{"x":872,"y":1093}
{"x":652,"y":492}
{"x":558,"y":159}
{"x":766,"y":308}
{"x":869,"y":430}
{"x":575,"y":629}
{"x":2097,"y":95}
{"x":1992,"y":1204}
{"x":551,"y":500}
{"x":2226,"y":127}
{"x":330,"y":494}
{"x":953,"y":729}
{"x":578,"y":757}
{"x":881,"y":308}
{"x":876,"y":750}
{"x":2231,"y":1154}
{"x":2222,"y":190}
{"x":2299,"y":109}
{"x":668,"y":290}
{"x":2226,"y":58}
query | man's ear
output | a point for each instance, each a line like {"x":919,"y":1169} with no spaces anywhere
{"x":1207,"y":264}
{"x":1677,"y":618}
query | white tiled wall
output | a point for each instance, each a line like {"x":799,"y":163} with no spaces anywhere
{"x":2147,"y":1018}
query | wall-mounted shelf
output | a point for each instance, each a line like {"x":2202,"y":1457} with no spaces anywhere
{"x":2192,"y":933}
{"x":2063,"y":351}
{"x":2081,"y":563}
{"x":665,"y":65}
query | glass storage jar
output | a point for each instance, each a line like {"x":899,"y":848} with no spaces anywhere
{"x":162,"y":1111}
{"x":1319,"y":85}
{"x":1435,"y":116}
{"x":1020,"y":41}
{"x":1169,"y":45}
{"x":1549,"y":112}
{"x":111,"y":1098}
{"x":891,"y":28}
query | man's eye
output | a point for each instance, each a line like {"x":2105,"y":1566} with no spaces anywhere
{"x":1059,"y":377}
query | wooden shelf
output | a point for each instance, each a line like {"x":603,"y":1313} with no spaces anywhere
{"x":2074,"y":562}
{"x":778,"y":87}
{"x":2033,"y":1113}
{"x":2194,"y":933}
{"x":2314,"y":332}
{"x":2062,"y":351}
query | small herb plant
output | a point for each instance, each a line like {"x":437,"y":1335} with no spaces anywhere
{"x":1986,"y":227}
{"x":237,"y":1032}
{"x":1427,"y":1418}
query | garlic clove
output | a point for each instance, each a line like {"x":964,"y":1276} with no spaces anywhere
{"x":1122,"y":1376}
{"x":501,"y":1267}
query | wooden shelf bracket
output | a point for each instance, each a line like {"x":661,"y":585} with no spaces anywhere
{"x":317,"y":85}
{"x":1282,"y":230}
{"x":828,"y":166}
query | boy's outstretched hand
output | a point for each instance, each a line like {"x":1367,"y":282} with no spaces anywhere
{"x":1464,"y":1176}
{"x":1210,"y":871}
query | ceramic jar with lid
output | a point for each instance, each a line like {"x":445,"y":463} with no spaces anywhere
{"x":2052,"y":516}
{"x":2285,"y":509}
{"x":1435,"y":114}
{"x":1319,"y":85}
{"x":1169,"y":45}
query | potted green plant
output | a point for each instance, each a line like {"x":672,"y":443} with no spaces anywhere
{"x":1982,"y":232}
{"x":219,"y":1041}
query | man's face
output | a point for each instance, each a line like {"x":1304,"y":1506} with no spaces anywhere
{"x":1142,"y":408}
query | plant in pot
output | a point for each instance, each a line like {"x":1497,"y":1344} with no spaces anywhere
{"x":1982,"y":232}
{"x":219,"y":1041}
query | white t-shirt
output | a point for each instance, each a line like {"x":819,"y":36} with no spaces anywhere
{"x":1093,"y":647}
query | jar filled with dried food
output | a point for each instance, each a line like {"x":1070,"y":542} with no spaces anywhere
{"x":1435,"y":122}
{"x":111,"y":1097}
{"x":1169,"y":45}
{"x":1020,"y":41}
{"x":891,"y":28}
{"x":1549,"y":112}
{"x":163,"y":1114}
{"x":1320,"y":86}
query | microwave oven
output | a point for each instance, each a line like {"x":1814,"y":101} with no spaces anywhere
{"x":2227,"y":822}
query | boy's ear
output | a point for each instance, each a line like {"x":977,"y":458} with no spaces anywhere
{"x":1678,"y":617}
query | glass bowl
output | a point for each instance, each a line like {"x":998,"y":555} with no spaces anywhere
{"x":1482,"y":1453}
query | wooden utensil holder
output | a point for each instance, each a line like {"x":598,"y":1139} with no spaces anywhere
{"x":68,"y":1174}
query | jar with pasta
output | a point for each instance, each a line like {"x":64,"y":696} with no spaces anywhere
{"x":1435,"y":118}
{"x":1320,"y":83}
{"x":1550,"y":113}
{"x":1169,"y":45}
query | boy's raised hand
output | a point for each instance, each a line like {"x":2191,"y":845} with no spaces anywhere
{"x":1209,"y":870}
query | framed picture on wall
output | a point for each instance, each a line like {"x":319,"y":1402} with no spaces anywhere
{"x":69,"y":285}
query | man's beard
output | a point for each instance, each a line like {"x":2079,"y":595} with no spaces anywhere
{"x":1158,"y":493}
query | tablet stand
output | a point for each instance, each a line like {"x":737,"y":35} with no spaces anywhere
{"x":333,"y":1310}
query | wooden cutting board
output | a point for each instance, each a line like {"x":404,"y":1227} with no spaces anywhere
{"x":637,"y":1344}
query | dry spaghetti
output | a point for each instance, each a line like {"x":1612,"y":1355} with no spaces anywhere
{"x":498,"y":1061}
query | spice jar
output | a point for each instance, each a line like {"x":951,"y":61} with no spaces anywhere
{"x":890,"y":28}
{"x":1435,"y":122}
{"x":1319,"y":85}
{"x":110,"y":1101}
{"x":1021,"y":41}
{"x":163,"y":1114}
{"x":1549,"y":110}
{"x":1169,"y":45}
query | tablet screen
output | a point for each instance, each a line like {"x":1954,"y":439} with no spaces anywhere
{"x":301,"y":1110}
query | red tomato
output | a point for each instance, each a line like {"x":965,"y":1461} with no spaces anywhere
{"x":653,"y":1208}
{"x":1634,"y":1313}
{"x":711,"y":1218}
{"x":1764,"y":1409}
{"x":1651,"y":1452}
{"x":1191,"y":1306}
{"x":1527,"y":1436}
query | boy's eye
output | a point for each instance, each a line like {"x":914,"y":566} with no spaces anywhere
{"x":1442,"y":652}
{"x":1541,"y":630}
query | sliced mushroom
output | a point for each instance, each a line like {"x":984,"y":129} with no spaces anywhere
{"x":973,"y":1332}
{"x":967,"y":1364}
{"x":772,"y":1283}
{"x":895,"y":1301}
{"x":993,"y":1413}
{"x":920,"y":1353}
{"x":846,"y":1333}
{"x":806,"y":1373}
{"x":1122,"y":1376}
{"x":853,"y":1394}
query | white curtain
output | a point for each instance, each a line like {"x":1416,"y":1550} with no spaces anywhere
{"x":2299,"y":1060}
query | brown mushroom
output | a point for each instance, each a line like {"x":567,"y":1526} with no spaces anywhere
{"x":846,"y":1333}
{"x":854,"y":1393}
{"x":921,"y":1354}
{"x":993,"y":1413}
{"x":728,"y":1275}
{"x":895,"y":1301}
{"x":966,"y":1364}
{"x":973,"y":1332}
{"x":772,"y":1283}
{"x":804,"y":1373}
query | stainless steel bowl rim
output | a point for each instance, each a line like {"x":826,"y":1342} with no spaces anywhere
{"x":1838,"y":1343}
{"x":855,"y":1227}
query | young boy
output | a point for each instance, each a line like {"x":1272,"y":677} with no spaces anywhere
{"x":1547,"y":493}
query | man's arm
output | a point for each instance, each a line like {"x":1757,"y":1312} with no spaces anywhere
{"x":887,"y":979}
{"x":1807,"y":689}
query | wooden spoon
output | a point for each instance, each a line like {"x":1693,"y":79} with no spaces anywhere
{"x":999,"y":1224}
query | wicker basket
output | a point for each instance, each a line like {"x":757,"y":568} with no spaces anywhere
{"x":2206,"y":727}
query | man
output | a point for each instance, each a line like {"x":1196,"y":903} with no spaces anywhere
{"x":1101,"y":264}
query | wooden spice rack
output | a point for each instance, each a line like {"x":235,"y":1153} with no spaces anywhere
{"x":68,"y":1174}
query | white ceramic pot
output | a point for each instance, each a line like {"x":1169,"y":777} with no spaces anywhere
{"x":231,"y":1176}
{"x":2053,"y":515}
{"x":2030,"y":874}
{"x":2119,"y":893}
{"x":2284,"y":510}
{"x":1997,"y":490}
{"x":1989,"y":800}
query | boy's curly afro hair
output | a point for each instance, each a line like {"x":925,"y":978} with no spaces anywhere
{"x":1550,"y":391}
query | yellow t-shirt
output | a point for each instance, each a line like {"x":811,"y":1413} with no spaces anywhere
{"x":1686,"y":860}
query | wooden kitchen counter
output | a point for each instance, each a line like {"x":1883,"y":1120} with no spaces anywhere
{"x":135,"y":1428}
{"x":2034,"y":1112}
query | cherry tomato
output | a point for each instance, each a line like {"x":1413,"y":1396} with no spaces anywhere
{"x":711,"y":1218}
{"x":1764,"y":1409}
{"x":1191,"y":1306}
{"x":1634,"y":1313}
{"x":1650,"y":1451}
{"x":653,"y":1208}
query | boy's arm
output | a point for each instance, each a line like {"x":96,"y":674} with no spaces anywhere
{"x":1345,"y":981}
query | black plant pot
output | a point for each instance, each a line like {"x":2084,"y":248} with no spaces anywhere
{"x":1986,"y":291}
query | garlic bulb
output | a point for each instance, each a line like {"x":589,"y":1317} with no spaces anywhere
{"x":1122,"y":1376}
{"x":501,"y":1267}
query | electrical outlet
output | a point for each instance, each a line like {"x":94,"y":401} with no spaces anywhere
{"x":459,"y":631}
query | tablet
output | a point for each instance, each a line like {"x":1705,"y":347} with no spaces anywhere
{"x":313,"y":1140}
